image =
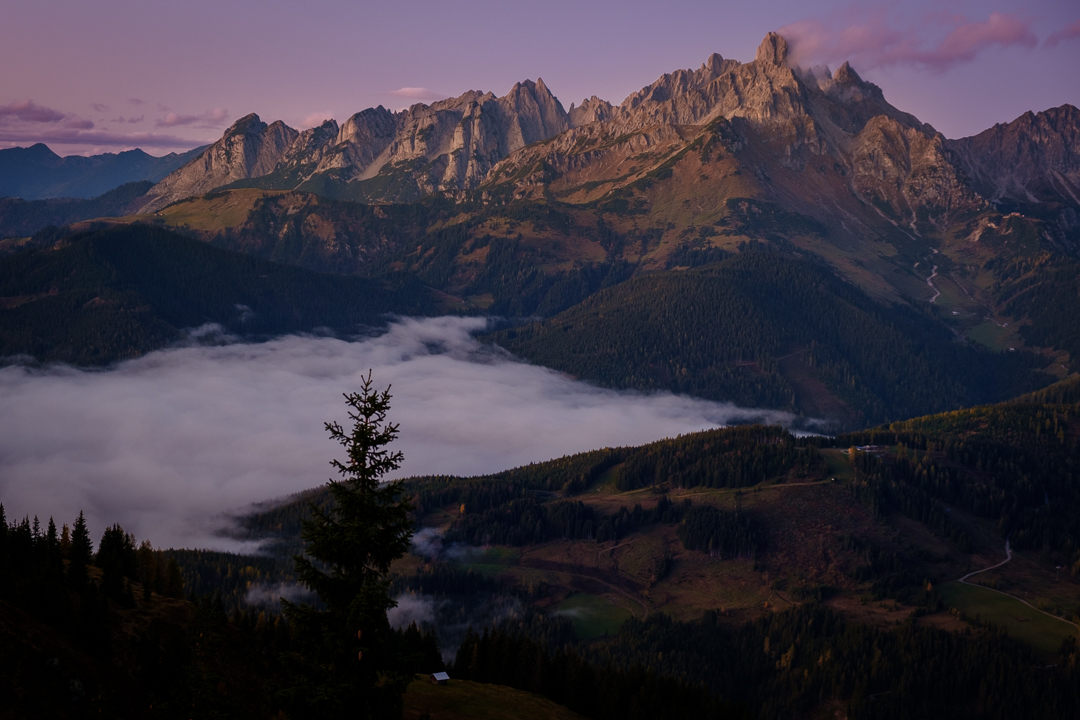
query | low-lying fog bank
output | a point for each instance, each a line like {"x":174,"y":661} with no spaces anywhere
{"x":168,"y":443}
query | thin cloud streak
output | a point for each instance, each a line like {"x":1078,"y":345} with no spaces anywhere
{"x":1069,"y":32}
{"x":876,"y":41}
{"x":416,"y":93}
{"x":98,"y":138}
{"x":169,"y":444}
{"x":208,"y":119}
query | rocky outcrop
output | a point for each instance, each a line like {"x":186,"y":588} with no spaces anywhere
{"x":827,"y":145}
{"x":908,"y":173}
{"x":250,"y":148}
{"x":446,"y":146}
{"x":1033,"y":159}
{"x":811,"y":139}
{"x":591,"y":110}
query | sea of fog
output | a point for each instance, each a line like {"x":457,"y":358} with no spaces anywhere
{"x":173,"y":443}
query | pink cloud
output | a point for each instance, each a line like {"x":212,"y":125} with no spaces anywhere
{"x":136,"y":101}
{"x":29,"y":111}
{"x":877,"y":42}
{"x":1070,"y":32}
{"x":210,"y":118}
{"x":416,"y":93}
{"x":77,"y":123}
{"x":99,"y":107}
{"x":129,"y":121}
{"x":316,"y":118}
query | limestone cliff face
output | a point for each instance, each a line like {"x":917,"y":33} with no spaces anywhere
{"x":361,"y":139}
{"x":909,"y":172}
{"x":784,"y":126}
{"x":250,"y":148}
{"x":826,"y":144}
{"x":591,"y":110}
{"x":451,"y":145}
{"x":447,"y":146}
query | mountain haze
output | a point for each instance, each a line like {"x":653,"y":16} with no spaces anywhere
{"x":37,"y":173}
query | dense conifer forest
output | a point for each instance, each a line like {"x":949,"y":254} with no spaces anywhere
{"x":723,"y":331}
{"x":127,"y":612}
{"x":118,"y":293}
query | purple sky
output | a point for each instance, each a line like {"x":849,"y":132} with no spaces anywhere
{"x":115,"y":74}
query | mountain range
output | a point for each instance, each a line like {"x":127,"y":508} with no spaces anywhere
{"x":37,"y":173}
{"x":600,"y":220}
{"x":831,"y":147}
{"x":754,"y":233}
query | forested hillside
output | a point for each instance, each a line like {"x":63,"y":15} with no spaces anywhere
{"x":738,"y":572}
{"x":23,"y":218}
{"x":696,"y":521}
{"x":768,"y":329}
{"x":121,"y":292}
{"x":1016,"y":464}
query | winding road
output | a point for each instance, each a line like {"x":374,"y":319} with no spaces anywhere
{"x":1008,"y":557}
{"x":937,"y":293}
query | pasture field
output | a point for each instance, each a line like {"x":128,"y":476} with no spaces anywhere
{"x":464,"y":699}
{"x":1039,"y":630}
{"x":592,"y":615}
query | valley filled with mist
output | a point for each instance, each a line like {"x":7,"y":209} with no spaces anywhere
{"x":751,"y":396}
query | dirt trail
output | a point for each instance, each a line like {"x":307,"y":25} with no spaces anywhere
{"x":930,"y":282}
{"x":1008,"y":557}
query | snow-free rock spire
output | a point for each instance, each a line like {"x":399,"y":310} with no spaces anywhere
{"x":773,"y":50}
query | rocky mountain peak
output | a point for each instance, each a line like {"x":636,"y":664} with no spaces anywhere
{"x":247,"y":124}
{"x":773,"y":50}
{"x":714,"y":65}
{"x":591,"y":110}
{"x":249,"y":148}
{"x":1030,"y":165}
{"x":846,"y":75}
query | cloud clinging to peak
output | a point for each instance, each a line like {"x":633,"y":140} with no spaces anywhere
{"x":875,"y":39}
{"x":316,"y":118}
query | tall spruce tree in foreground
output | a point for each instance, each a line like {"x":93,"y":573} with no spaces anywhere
{"x":346,"y":660}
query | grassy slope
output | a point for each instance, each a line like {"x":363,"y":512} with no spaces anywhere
{"x":1039,"y":630}
{"x":461,"y":699}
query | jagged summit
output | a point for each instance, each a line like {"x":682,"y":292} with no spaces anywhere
{"x":773,"y":50}
{"x":1034,"y":159}
{"x":780,"y":117}
{"x":449,"y":145}
{"x":846,"y":75}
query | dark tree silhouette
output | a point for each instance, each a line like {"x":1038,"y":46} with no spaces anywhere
{"x":347,"y":659}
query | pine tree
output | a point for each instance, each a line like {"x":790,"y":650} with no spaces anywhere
{"x":347,"y":660}
{"x":4,"y":580}
{"x":65,"y":542}
{"x":82,"y":551}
